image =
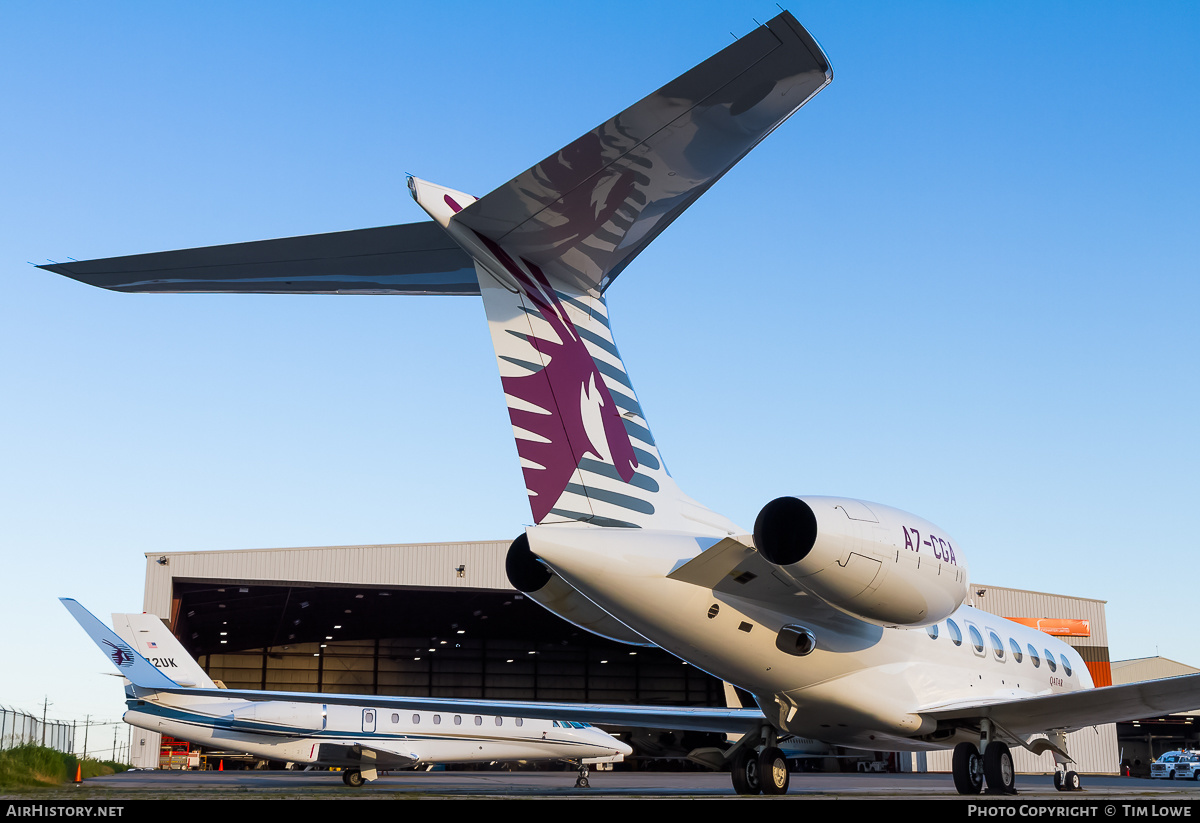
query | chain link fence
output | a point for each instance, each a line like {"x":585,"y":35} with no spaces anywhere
{"x":18,"y":728}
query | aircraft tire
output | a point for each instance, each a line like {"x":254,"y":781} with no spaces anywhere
{"x":998,"y":768}
{"x":744,"y":772}
{"x":968,"y":776}
{"x":1058,"y":781}
{"x":1071,"y":782}
{"x":773,"y":771}
{"x":353,"y":778}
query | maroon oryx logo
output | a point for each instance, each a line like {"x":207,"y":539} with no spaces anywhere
{"x":121,"y":655}
{"x":571,"y":387}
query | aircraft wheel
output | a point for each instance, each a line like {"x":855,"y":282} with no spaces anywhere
{"x":1071,"y":782}
{"x":744,"y":772}
{"x":1058,"y":781}
{"x":968,"y":769}
{"x":353,"y":778}
{"x":998,"y":768}
{"x":773,"y":771}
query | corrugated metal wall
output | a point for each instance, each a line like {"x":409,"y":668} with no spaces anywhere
{"x":431,"y":565}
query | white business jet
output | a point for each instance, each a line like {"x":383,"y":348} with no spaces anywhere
{"x":845,"y":619}
{"x":168,"y":692}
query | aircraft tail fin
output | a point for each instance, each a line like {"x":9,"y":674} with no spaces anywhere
{"x":132,"y":665}
{"x":542,"y":249}
{"x":548,"y":243}
{"x":151,"y":637}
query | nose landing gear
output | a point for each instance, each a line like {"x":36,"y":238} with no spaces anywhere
{"x":581,"y":782}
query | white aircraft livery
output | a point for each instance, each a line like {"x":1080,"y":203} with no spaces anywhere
{"x":846,"y":620}
{"x":171,"y":694}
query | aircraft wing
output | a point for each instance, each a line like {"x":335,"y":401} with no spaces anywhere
{"x":369,"y":753}
{"x":587,"y":210}
{"x":1075,"y":710}
{"x":732,"y":721}
{"x":416,"y":258}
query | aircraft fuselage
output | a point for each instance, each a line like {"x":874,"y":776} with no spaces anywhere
{"x":862,"y":685}
{"x":334,"y":735}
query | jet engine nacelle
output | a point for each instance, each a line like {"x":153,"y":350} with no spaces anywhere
{"x":298,"y":716}
{"x":531,"y":577}
{"x":873,"y":562}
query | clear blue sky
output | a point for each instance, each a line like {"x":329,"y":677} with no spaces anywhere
{"x":962,"y":281}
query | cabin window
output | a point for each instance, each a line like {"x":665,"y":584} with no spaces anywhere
{"x":499,"y":721}
{"x":416,"y":719}
{"x":1050,"y":661}
{"x":976,"y":639}
{"x":1066,"y":664}
{"x":437,"y":720}
{"x":1015,"y":648}
{"x":458,"y":720}
{"x":478,"y":720}
{"x":955,"y":634}
{"x":932,"y":631}
{"x":1033,"y":656}
{"x":395,"y":718}
{"x":520,"y":721}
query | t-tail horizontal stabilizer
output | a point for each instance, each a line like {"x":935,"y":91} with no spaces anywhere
{"x":417,"y":258}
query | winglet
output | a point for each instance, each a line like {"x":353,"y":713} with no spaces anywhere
{"x":140,"y":671}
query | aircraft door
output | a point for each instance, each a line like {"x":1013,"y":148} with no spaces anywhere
{"x":368,"y":720}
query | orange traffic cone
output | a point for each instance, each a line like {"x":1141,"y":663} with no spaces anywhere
{"x":78,"y":773}
{"x":220,"y":765}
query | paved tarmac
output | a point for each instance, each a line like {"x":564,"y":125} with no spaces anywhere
{"x":617,"y":784}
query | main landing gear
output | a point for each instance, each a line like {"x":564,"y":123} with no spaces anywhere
{"x":353,"y":778}
{"x":761,"y":768}
{"x":994,"y":765}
